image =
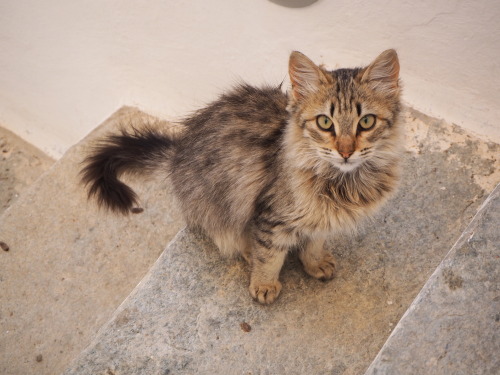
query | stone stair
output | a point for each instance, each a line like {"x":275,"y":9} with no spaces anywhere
{"x":453,"y":326}
{"x":175,"y":323}
{"x":70,"y":266}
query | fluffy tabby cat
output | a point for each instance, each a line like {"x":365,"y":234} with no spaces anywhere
{"x":263,"y":172}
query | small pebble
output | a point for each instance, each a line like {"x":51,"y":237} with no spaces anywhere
{"x":4,"y":246}
{"x":245,"y":327}
{"x":137,"y":210}
{"x":39,"y":358}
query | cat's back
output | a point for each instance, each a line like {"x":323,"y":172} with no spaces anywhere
{"x":228,"y":154}
{"x":246,"y":115}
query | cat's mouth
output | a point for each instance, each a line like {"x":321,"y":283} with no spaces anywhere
{"x":344,"y":165}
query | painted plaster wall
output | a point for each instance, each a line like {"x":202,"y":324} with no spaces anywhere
{"x":67,"y":65}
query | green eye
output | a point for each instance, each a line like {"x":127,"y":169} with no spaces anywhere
{"x":367,"y":122}
{"x":324,"y":122}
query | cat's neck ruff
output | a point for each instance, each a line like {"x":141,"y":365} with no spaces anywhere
{"x":332,"y":200}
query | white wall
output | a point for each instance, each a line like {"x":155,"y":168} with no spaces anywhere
{"x":67,"y":65}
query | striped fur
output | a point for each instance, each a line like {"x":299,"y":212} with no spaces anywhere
{"x":255,"y":171}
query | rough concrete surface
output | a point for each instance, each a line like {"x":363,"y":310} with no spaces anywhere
{"x":453,"y":326}
{"x":20,"y":165}
{"x":192,"y":312}
{"x":69,"y":265}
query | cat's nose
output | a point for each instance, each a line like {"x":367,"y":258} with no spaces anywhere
{"x":346,"y":154}
{"x":346,"y":146}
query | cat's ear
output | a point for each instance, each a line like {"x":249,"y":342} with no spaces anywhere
{"x":383,"y":73}
{"x":305,"y":76}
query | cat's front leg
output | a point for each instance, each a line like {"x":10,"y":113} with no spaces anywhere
{"x":317,"y":262}
{"x":267,"y":261}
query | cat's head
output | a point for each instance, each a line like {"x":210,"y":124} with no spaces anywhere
{"x":346,"y":118}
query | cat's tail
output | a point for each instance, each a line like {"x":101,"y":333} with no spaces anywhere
{"x":138,"y":151}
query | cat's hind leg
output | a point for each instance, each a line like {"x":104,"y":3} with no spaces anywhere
{"x":317,"y":262}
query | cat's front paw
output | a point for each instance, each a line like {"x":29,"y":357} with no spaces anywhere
{"x":265,"y":293}
{"x":322,"y":269}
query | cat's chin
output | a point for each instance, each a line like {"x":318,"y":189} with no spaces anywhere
{"x":347,"y":167}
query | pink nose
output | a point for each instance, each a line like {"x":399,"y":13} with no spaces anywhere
{"x":345,"y":154}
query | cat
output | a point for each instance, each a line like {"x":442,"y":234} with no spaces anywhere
{"x":263,"y":172}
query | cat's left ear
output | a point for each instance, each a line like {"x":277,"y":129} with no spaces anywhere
{"x":306,"y":76}
{"x":383,"y":73}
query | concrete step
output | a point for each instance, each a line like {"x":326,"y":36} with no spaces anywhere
{"x":192,"y":313}
{"x":69,"y":266}
{"x":453,"y":326}
{"x":21,"y":164}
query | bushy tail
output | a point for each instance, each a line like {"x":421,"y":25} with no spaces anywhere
{"x":137,"y":152}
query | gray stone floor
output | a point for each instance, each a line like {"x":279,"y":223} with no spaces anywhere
{"x":453,"y":326}
{"x":70,"y":266}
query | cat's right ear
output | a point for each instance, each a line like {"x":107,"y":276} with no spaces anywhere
{"x":305,"y":76}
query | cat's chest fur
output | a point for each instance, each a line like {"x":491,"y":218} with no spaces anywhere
{"x":323,"y":206}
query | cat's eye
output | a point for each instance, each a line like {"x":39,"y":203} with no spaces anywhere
{"x":324,"y":122}
{"x":367,"y":122}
